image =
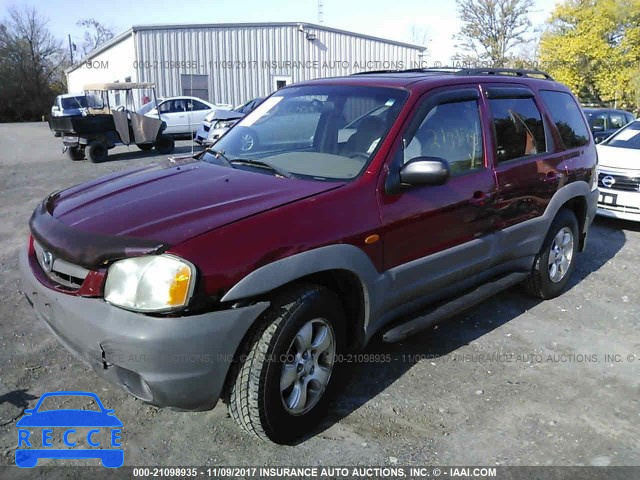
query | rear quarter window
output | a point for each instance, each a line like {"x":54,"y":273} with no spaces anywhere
{"x":566,"y":115}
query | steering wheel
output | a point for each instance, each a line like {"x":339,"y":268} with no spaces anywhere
{"x":364,"y":156}
{"x":119,"y":108}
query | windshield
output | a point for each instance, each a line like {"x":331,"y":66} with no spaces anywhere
{"x":74,"y":102}
{"x":628,"y":137}
{"x":312,"y":132}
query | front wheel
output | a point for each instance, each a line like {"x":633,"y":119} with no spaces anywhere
{"x":165,"y":144}
{"x":97,"y":152}
{"x":145,"y":147}
{"x":557,"y":258}
{"x":283,"y":382}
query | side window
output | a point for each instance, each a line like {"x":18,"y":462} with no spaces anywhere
{"x":599,"y":122}
{"x":451,"y":131}
{"x":165,"y":107}
{"x":196,"y":105}
{"x":519,"y":129}
{"x":566,"y":115}
{"x":617,"y":120}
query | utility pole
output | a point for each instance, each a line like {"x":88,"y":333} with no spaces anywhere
{"x":71,"y":46}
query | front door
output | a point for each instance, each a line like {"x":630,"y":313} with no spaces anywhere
{"x":434,"y":235}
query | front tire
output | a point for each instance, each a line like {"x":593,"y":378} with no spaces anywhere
{"x":165,"y":144}
{"x":145,"y":147}
{"x":283,"y":383}
{"x":556,"y":261}
{"x":97,"y":152}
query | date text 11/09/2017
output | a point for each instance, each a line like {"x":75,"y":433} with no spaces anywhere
{"x":297,"y":472}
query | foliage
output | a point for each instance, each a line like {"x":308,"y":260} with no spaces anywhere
{"x":593,"y":46}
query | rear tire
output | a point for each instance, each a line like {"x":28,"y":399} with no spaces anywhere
{"x":557,"y":258}
{"x":97,"y":152}
{"x":165,"y":144}
{"x":282,"y":384}
{"x":145,"y":147}
{"x":75,"y":153}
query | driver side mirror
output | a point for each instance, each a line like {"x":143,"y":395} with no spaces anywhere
{"x":425,"y":171}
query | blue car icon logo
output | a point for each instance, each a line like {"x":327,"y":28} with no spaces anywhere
{"x":32,"y":447}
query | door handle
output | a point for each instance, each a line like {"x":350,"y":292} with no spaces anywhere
{"x":480,"y":198}
{"x":553,"y":176}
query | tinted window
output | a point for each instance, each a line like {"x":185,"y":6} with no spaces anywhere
{"x":451,"y":131}
{"x":566,"y":115}
{"x":618,"y":120}
{"x":196,"y":105}
{"x":518,"y":128}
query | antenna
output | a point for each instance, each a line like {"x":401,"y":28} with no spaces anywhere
{"x":320,"y":11}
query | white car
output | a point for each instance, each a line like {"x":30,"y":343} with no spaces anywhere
{"x":619,"y":174}
{"x":183,"y":115}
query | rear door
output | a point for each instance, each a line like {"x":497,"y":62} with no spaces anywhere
{"x":529,"y":168}
{"x":435,"y":235}
{"x":197,"y":110}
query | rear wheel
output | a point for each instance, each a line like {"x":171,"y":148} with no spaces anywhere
{"x":145,"y":147}
{"x":75,"y":153}
{"x":97,"y":152}
{"x":282,"y":385}
{"x":557,"y":258}
{"x":165,"y":144}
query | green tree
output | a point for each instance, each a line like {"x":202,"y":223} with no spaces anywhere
{"x":593,"y":46}
{"x":492,"y":28}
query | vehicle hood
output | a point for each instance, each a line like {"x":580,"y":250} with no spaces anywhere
{"x":171,"y":203}
{"x":618,"y":158}
{"x":223,"y":115}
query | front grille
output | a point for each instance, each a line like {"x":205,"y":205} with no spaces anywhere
{"x":58,"y":270}
{"x":619,"y":182}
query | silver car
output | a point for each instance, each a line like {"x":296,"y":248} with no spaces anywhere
{"x":216,"y":123}
{"x":619,"y":174}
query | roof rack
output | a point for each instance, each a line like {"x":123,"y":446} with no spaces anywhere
{"x":513,"y":72}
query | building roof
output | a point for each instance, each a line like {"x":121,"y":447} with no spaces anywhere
{"x":303,"y":26}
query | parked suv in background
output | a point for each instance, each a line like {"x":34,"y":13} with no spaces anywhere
{"x":245,"y":273}
{"x":604,"y":122}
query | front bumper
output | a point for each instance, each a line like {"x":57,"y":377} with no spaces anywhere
{"x":619,"y":204}
{"x":179,"y":362}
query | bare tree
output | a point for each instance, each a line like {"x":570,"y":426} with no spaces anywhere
{"x":95,"y":34}
{"x":491,"y":28}
{"x":31,"y":62}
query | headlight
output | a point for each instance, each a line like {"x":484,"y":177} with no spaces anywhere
{"x":153,"y":283}
{"x":224,"y":124}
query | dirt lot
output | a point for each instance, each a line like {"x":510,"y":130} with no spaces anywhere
{"x":513,"y":382}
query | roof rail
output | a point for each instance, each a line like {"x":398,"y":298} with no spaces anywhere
{"x":515,"y":72}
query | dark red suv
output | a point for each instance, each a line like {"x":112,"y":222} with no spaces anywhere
{"x":333,"y":209}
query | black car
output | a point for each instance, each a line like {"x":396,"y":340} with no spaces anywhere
{"x":604,"y":122}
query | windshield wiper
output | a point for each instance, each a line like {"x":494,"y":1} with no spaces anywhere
{"x":261,"y":164}
{"x":218,"y":154}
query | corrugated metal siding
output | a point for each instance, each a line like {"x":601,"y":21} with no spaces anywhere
{"x":241,"y":62}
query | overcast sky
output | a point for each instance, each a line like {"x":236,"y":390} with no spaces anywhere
{"x":383,"y":18}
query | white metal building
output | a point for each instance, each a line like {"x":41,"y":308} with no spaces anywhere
{"x":233,"y":63}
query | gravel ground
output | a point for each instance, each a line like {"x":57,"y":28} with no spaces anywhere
{"x":515,"y":381}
